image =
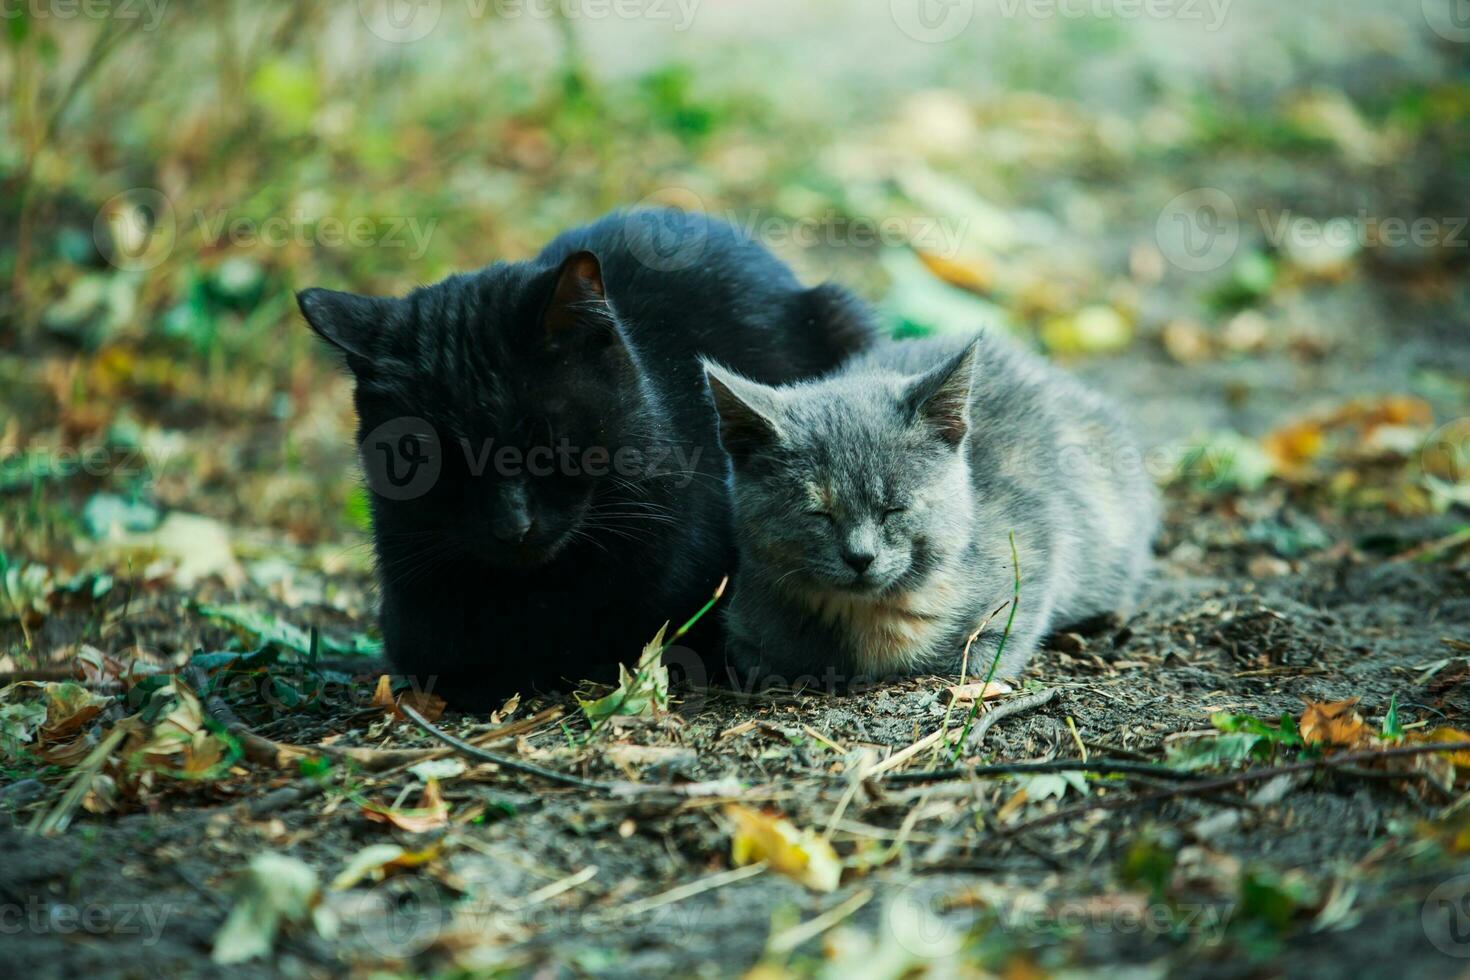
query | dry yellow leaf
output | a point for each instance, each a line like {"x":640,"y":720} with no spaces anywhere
{"x":970,"y":272}
{"x":1294,"y":446}
{"x":799,"y":854}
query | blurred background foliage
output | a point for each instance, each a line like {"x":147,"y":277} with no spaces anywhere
{"x":172,"y":174}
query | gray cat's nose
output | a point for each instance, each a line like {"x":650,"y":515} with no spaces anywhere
{"x":858,"y":561}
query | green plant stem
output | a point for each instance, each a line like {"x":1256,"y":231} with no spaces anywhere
{"x":1000,"y":648}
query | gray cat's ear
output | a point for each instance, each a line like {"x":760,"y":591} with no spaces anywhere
{"x":940,"y":399}
{"x":747,"y":412}
{"x":578,"y":304}
{"x":351,"y":323}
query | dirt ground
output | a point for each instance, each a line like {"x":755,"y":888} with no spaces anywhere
{"x":1304,"y":407}
{"x":1314,"y":874}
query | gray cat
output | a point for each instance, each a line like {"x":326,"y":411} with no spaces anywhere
{"x":874,"y":511}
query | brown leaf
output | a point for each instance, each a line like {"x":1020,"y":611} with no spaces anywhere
{"x":431,"y":706}
{"x":431,"y":813}
{"x":69,"y":707}
{"x":1334,"y":723}
{"x":383,"y":695}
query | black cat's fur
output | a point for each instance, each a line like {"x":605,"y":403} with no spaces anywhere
{"x":497,"y":577}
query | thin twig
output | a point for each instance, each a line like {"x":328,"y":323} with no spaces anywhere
{"x":1006,"y":709}
{"x":505,"y":761}
{"x":1206,"y":787}
{"x":1105,"y":767}
{"x":789,"y":939}
{"x":690,"y":889}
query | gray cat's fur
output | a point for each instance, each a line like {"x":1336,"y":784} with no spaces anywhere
{"x":928,"y":455}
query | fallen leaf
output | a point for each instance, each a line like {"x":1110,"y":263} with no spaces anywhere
{"x":1091,"y":330}
{"x":274,"y":891}
{"x":1187,"y":341}
{"x":377,"y":860}
{"x":19,"y":720}
{"x":69,"y":706}
{"x":431,"y":813}
{"x":383,"y":695}
{"x":181,"y":743}
{"x":431,"y":706}
{"x":1294,"y":447}
{"x":1334,"y":723}
{"x":799,"y":854}
{"x":1460,"y":758}
{"x":195,"y":547}
{"x":648,"y":755}
{"x":640,"y":692}
{"x":967,"y":693}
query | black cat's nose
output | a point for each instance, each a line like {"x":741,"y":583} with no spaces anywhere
{"x":858,"y":561}
{"x":513,"y":530}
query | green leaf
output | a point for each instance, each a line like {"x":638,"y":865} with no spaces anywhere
{"x":1391,"y":727}
{"x":639,"y":692}
{"x":287,"y":92}
{"x":1230,"y":748}
{"x":18,"y":724}
{"x":922,"y":304}
{"x":1147,"y":862}
{"x":273,"y":629}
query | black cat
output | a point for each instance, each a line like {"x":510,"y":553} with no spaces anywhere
{"x":546,"y":480}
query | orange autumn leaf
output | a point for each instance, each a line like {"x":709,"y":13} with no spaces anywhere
{"x":1334,"y":723}
{"x":431,"y":813}
{"x":383,"y":695}
{"x":1460,"y":758}
{"x":1370,"y":413}
{"x":974,"y":275}
{"x":1293,"y":446}
{"x":431,"y":706}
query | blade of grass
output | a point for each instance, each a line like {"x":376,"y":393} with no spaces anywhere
{"x":1000,"y":648}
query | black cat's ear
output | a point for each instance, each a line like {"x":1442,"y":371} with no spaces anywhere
{"x":940,"y":398}
{"x":746,"y":411}
{"x":351,"y":323}
{"x":578,"y":303}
